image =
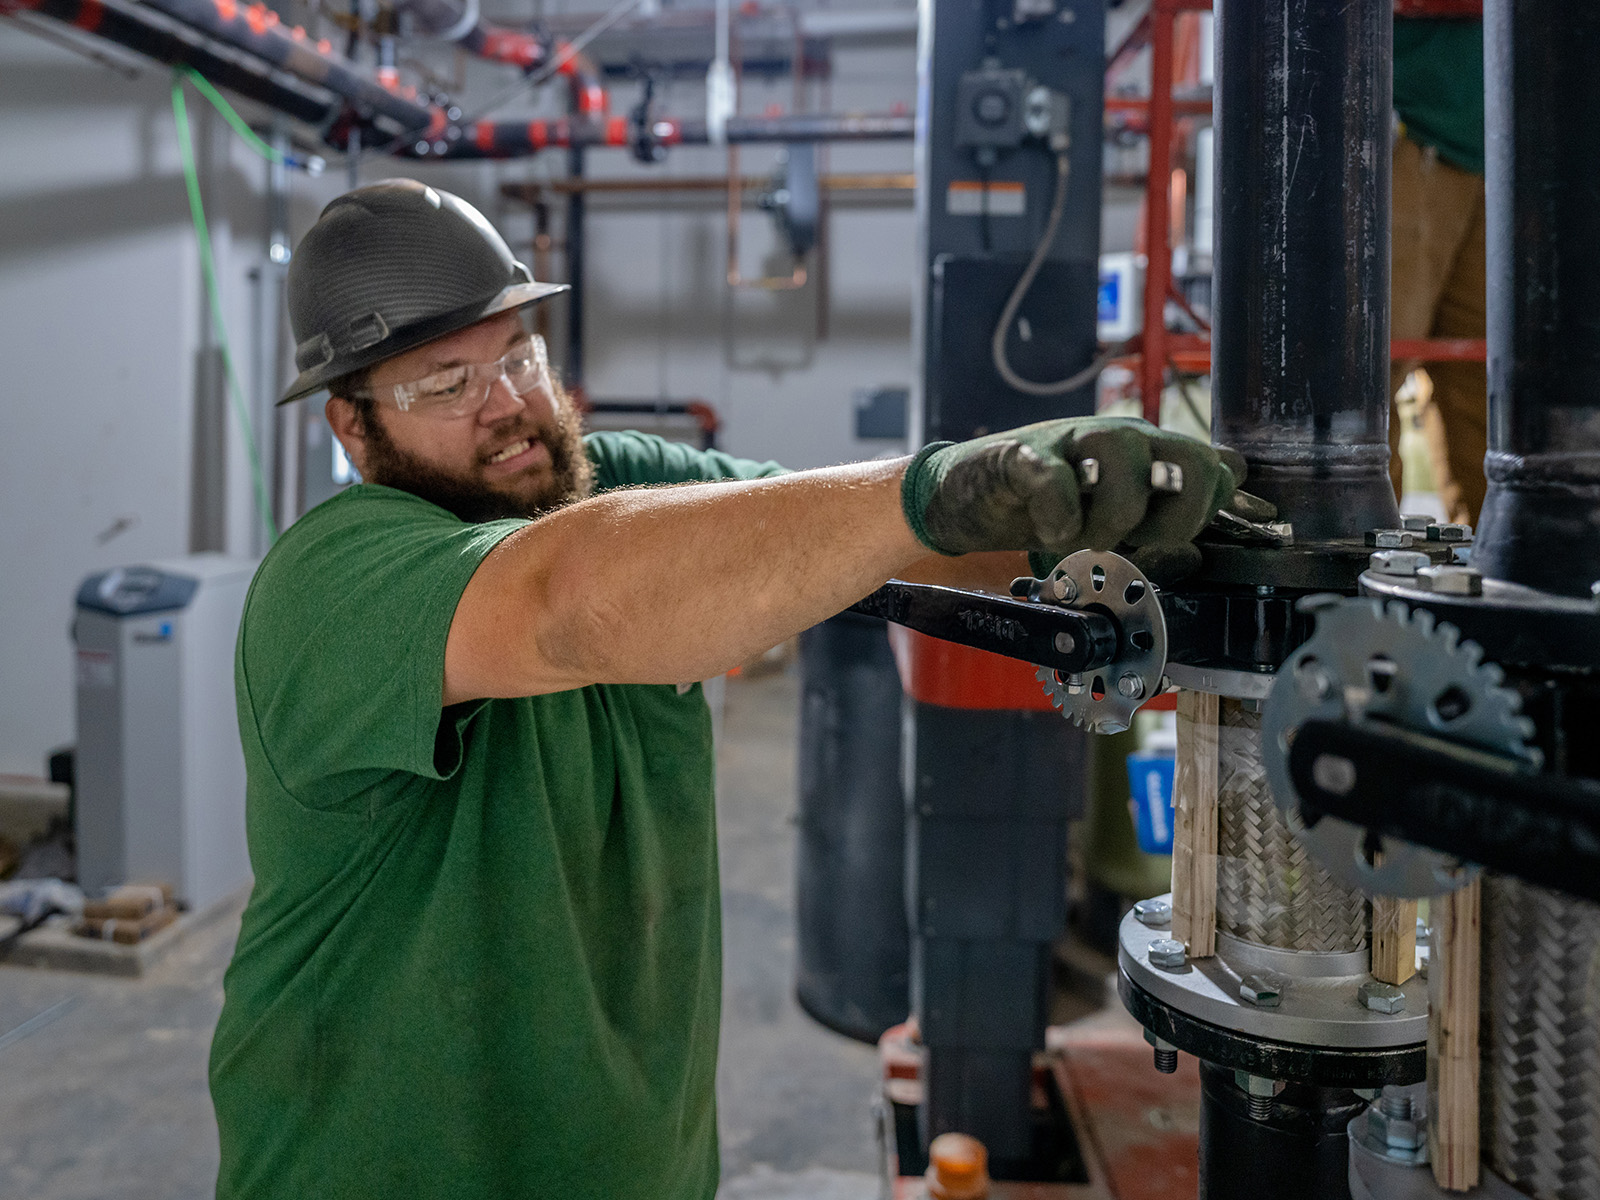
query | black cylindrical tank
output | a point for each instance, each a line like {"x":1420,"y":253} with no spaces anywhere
{"x":852,"y":935}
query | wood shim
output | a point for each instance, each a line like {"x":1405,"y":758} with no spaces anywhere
{"x":1394,"y":939}
{"x":1453,"y":1037}
{"x":1194,"y":838}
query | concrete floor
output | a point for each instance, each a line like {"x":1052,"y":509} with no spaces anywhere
{"x":102,"y":1081}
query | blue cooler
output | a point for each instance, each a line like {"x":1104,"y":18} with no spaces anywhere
{"x":1150,"y":782}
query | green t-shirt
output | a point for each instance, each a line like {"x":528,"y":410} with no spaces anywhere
{"x":482,"y":956}
{"x":1438,"y":86}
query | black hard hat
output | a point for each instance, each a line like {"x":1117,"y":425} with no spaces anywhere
{"x":389,"y":267}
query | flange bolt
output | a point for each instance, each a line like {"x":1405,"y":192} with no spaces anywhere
{"x":1167,"y":953}
{"x":1153,"y":912}
{"x":1382,"y":997}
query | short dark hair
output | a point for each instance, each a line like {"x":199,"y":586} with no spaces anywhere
{"x":353,"y":387}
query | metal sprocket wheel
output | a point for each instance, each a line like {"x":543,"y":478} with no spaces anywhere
{"x":1368,"y":660}
{"x":1105,"y":699}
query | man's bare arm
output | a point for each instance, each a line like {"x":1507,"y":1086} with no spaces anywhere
{"x":664,"y":585}
{"x":987,"y":571}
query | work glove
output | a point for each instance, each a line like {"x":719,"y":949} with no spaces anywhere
{"x":1024,"y":489}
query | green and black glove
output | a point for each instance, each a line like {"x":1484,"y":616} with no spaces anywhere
{"x":1026,"y":489}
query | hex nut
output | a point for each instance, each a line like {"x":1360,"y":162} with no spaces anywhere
{"x":1153,"y":912}
{"x":1131,"y":686}
{"x":1449,"y":533}
{"x":1260,"y":991}
{"x":1063,"y":589}
{"x":1075,"y":685}
{"x":1416,"y":522}
{"x":1408,"y":1134}
{"x":1382,"y":997}
{"x":1391,"y":539}
{"x":1403,"y":563}
{"x":1167,"y":953}
{"x":1452,"y":581}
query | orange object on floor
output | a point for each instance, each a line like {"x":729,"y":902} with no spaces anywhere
{"x":1138,"y":1130}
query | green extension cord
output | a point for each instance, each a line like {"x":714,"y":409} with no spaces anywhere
{"x":191,"y":177}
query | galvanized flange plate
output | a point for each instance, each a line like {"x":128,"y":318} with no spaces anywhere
{"x":1104,"y":700}
{"x":1368,"y":659}
{"x":1312,"y":1011}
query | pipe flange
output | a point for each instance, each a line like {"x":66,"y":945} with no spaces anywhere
{"x":1318,"y":1001}
{"x":1371,"y":660}
{"x":1105,"y":699}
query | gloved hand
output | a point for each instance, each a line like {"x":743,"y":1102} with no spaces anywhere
{"x":1021,"y":489}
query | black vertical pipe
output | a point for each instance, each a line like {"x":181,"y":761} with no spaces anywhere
{"x":1294,"y":1144}
{"x":575,"y":231}
{"x":1541,"y":518}
{"x":1300,"y":336}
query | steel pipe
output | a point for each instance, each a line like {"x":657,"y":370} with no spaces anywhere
{"x":1541,"y":518}
{"x":1300,"y":336}
{"x":137,"y":28}
{"x":519,"y":138}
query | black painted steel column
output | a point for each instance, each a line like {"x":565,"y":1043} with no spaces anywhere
{"x":1541,"y":518}
{"x":1300,"y":339}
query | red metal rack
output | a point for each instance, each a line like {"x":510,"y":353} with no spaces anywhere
{"x":1157,"y":347}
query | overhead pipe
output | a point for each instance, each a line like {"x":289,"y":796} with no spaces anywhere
{"x":1300,"y":327}
{"x":519,"y":138}
{"x":237,"y":48}
{"x":256,"y":30}
{"x":1541,"y":517}
{"x":137,"y":28}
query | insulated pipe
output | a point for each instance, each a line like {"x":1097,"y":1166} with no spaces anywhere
{"x":1300,"y":326}
{"x":256,"y":30}
{"x":169,"y":42}
{"x":517,"y":139}
{"x":1541,"y":518}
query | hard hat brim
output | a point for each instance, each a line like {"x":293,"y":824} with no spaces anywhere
{"x":516,"y":296}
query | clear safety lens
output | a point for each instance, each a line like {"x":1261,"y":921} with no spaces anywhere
{"x":463,"y":390}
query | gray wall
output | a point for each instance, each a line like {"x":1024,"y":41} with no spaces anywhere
{"x":116,"y":444}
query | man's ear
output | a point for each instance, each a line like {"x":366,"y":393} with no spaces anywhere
{"x":348,"y":426}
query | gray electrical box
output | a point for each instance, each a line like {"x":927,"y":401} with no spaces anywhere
{"x":160,"y":772}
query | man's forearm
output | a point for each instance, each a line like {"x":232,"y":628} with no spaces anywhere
{"x":663,"y":585}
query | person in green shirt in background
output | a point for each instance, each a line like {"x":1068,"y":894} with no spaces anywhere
{"x":482,"y":955}
{"x":1439,"y":286}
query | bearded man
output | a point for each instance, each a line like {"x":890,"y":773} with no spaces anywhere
{"x":482,"y":955}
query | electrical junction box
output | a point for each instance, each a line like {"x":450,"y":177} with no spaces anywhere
{"x":160,"y":783}
{"x":990,"y":108}
{"x":1120,"y":306}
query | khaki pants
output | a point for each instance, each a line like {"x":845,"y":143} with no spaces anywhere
{"x":1438,"y":291}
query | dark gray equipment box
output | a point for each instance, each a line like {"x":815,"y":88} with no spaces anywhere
{"x":160,"y":771}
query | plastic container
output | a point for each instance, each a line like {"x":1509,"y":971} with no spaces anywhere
{"x":1150,"y":775}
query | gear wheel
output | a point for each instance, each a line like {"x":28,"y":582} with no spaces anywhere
{"x":1105,"y":699}
{"x":1368,"y":659}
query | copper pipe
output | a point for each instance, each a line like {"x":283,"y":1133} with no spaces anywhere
{"x":529,"y":192}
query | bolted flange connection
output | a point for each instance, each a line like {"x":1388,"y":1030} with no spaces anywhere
{"x":1382,"y":997}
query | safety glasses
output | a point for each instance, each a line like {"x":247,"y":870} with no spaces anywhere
{"x":461,"y":391}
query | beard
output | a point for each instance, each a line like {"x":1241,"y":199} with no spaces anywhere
{"x":569,"y":477}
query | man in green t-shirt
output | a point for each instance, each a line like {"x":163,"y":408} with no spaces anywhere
{"x":1439,"y":278}
{"x":482,"y":955}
